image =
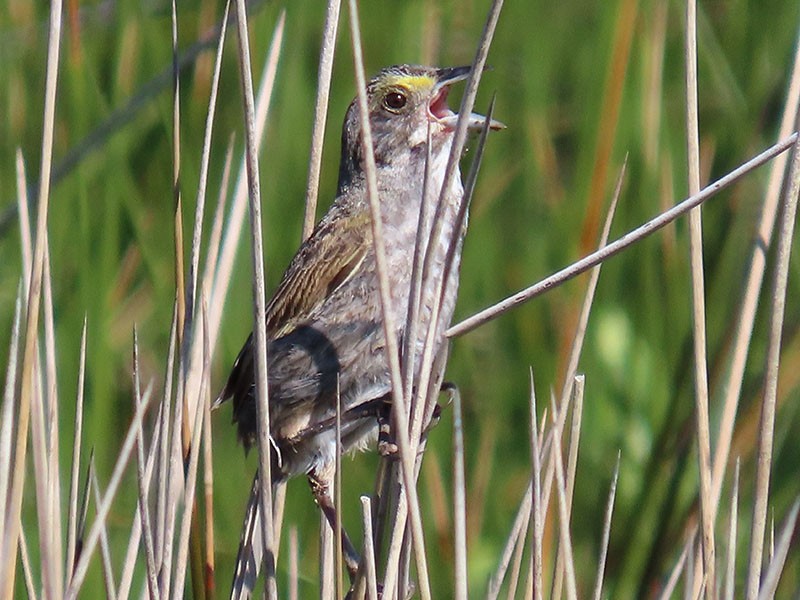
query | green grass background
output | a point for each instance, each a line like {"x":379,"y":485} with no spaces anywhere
{"x":112,"y":250}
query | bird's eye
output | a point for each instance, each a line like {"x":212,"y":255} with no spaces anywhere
{"x":394,"y":101}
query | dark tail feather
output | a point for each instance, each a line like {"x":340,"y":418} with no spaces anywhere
{"x":248,"y":559}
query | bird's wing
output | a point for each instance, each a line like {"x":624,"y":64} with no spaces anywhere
{"x":324,"y":262}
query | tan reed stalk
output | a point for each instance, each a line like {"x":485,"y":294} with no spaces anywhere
{"x":399,"y":414}
{"x":259,"y":304}
{"x":754,"y":279}
{"x":293,"y":564}
{"x":601,"y":563}
{"x":677,"y":571}
{"x":72,"y":513}
{"x":563,"y":517}
{"x":770,"y":583}
{"x":223,"y":268}
{"x":459,"y":503}
{"x":7,"y":415}
{"x":537,"y":514}
{"x":190,"y":486}
{"x":26,"y":383}
{"x":105,"y":551}
{"x":326,"y":54}
{"x":766,"y":430}
{"x":369,"y":549}
{"x":176,"y":174}
{"x":730,"y":570}
{"x":151,"y":574}
{"x":572,"y":465}
{"x":699,"y":309}
{"x":92,"y":538}
{"x":618,"y":245}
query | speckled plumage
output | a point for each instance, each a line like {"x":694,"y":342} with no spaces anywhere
{"x":324,"y":321}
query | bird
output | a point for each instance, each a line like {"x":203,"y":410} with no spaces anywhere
{"x":324,"y":322}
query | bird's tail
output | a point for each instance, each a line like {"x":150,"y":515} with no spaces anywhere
{"x":250,"y":556}
{"x":248,"y":559}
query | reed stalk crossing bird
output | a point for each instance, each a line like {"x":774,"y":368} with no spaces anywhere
{"x":325,"y":322}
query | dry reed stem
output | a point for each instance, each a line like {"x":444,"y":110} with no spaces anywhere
{"x":26,"y":383}
{"x":425,"y":381}
{"x":754,"y":278}
{"x":259,"y":303}
{"x":151,"y":574}
{"x":698,"y":307}
{"x":174,"y":475}
{"x":516,"y":566}
{"x":591,"y":288}
{"x":102,"y":510}
{"x":27,"y":573}
{"x":326,"y":561}
{"x":415,"y":289}
{"x":163,"y":489}
{"x":176,"y":173}
{"x":293,"y":564}
{"x":399,"y":414}
{"x":601,"y":562}
{"x":7,"y":418}
{"x":133,"y":541}
{"x":674,"y":576}
{"x":572,"y":465}
{"x":105,"y":551}
{"x":190,"y":486}
{"x":765,"y":438}
{"x":248,"y":559}
{"x":50,"y":430}
{"x":191,"y":348}
{"x":537,"y":564}
{"x":219,"y":218}
{"x":337,"y":490}
{"x":320,"y":113}
{"x":451,"y":170}
{"x":223,"y":268}
{"x":459,"y":503}
{"x":26,"y":242}
{"x":518,"y":528}
{"x":208,"y":487}
{"x":40,"y":479}
{"x":370,"y":573}
{"x":424,"y":404}
{"x":620,"y":243}
{"x":563,"y":511}
{"x":72,"y":510}
{"x":771,"y":577}
{"x":278,"y":506}
{"x":730,"y":570}
{"x":458,"y":227}
{"x":204,"y":164}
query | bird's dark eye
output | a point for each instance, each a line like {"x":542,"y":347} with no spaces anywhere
{"x":394,"y":101}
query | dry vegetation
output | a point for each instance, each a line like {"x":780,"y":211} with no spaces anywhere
{"x":732,"y":541}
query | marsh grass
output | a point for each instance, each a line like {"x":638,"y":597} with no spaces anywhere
{"x":156,"y":512}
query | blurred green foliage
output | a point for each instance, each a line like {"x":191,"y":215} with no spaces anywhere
{"x":111,"y":239}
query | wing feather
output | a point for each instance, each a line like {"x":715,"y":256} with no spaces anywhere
{"x":323,"y":263}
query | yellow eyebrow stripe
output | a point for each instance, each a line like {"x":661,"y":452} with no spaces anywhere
{"x":412,"y":82}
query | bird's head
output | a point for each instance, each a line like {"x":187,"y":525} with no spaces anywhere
{"x":403,"y":102}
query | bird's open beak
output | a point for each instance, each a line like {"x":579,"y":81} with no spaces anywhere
{"x":442,"y":112}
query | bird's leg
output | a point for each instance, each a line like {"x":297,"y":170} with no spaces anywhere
{"x":386,"y":441}
{"x":320,"y":488}
{"x":387,"y":445}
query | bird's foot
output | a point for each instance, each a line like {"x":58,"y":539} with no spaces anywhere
{"x":387,"y":444}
